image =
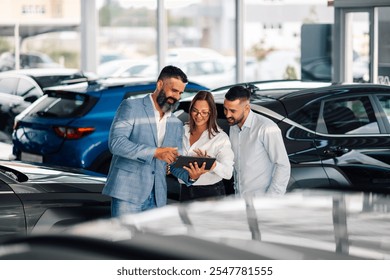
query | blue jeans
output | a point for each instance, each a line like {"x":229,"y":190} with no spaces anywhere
{"x":120,"y":207}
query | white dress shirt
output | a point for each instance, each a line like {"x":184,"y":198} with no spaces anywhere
{"x":161,"y":123}
{"x":261,"y":164}
{"x":219,"y":147}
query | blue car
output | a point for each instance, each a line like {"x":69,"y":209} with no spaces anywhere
{"x":69,"y":125}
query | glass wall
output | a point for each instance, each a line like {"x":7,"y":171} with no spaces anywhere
{"x":201,"y":37}
{"x":43,"y":32}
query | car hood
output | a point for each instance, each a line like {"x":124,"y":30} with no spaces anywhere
{"x":30,"y":173}
{"x":304,"y":225}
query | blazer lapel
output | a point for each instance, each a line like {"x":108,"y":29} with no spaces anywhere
{"x":149,"y":110}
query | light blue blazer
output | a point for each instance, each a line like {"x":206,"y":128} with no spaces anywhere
{"x":133,"y":142}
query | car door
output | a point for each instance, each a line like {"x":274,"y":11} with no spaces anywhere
{"x":353,"y":136}
{"x":12,"y":220}
{"x":298,"y":132}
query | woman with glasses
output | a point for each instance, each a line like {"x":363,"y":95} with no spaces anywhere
{"x":203,"y":137}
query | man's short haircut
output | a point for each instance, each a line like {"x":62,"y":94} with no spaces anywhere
{"x":171,"y":71}
{"x":238,"y":92}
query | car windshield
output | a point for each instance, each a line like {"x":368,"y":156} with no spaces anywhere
{"x":47,"y":81}
{"x":66,"y":104}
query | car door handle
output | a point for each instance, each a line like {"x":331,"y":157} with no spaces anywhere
{"x":336,"y":151}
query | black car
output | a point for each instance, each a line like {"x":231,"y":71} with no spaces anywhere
{"x":336,"y":136}
{"x":35,"y":198}
{"x":19,"y":88}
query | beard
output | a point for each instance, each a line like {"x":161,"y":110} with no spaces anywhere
{"x":232,"y":121}
{"x":162,"y":101}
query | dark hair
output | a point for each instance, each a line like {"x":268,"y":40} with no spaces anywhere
{"x":212,"y":121}
{"x":238,"y":92}
{"x":171,"y":71}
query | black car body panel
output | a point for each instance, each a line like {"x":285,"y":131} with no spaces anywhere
{"x":37,"y":198}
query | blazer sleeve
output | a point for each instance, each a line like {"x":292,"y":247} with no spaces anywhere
{"x":123,"y":126}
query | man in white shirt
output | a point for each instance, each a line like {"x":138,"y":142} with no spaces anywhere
{"x":261,"y":164}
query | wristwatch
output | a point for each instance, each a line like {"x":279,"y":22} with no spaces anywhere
{"x":192,"y":180}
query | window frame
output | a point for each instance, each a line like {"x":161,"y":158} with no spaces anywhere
{"x":321,"y":125}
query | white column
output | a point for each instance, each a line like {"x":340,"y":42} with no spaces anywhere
{"x":89,"y":34}
{"x":162,"y":37}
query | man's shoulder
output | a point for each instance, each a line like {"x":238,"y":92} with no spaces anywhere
{"x":262,"y":120}
{"x":173,"y":118}
{"x":140,"y":101}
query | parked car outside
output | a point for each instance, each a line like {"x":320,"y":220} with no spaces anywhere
{"x":204,"y":66}
{"x":211,"y":72}
{"x":109,"y":56}
{"x":69,"y":125}
{"x":297,"y":226}
{"x":19,"y":88}
{"x":27,"y":60}
{"x":320,"y":69}
{"x":126,"y":68}
{"x":336,"y":136}
{"x":36,"y":198}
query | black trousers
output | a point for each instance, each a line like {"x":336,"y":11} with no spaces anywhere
{"x":201,"y":192}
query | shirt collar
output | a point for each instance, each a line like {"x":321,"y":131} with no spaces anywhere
{"x":248,"y":121}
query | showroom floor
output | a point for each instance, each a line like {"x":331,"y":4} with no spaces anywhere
{"x":5,"y":151}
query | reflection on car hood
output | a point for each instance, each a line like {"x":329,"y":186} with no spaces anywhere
{"x":51,"y":177}
{"x":302,"y":225}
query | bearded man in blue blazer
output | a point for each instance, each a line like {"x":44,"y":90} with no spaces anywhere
{"x":144,"y":137}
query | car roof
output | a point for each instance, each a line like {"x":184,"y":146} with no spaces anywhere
{"x":274,"y":88}
{"x":338,"y":89}
{"x":297,"y":89}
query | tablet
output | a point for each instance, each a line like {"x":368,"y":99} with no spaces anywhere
{"x":185,"y":161}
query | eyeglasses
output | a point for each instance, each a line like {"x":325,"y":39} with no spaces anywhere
{"x":202,"y":113}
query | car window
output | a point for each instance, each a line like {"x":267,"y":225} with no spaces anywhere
{"x":8,"y":85}
{"x":52,"y":80}
{"x":308,"y":116}
{"x":201,"y":68}
{"x":385,"y":104}
{"x":25,"y":87}
{"x":134,"y":70}
{"x":62,"y":105}
{"x":354,"y":115}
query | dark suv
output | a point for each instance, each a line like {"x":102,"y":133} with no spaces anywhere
{"x":69,"y":125}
